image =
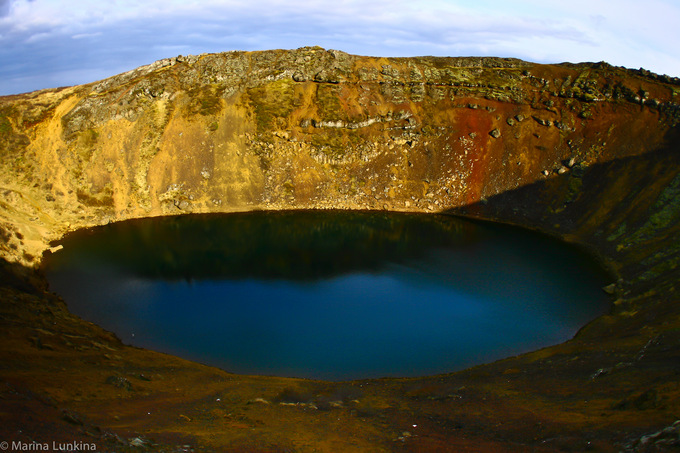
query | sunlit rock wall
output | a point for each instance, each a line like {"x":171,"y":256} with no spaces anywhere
{"x":312,"y":128}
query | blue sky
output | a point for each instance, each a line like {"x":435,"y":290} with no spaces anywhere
{"x":49,"y":43}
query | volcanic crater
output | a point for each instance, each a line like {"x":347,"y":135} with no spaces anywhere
{"x":584,"y":152}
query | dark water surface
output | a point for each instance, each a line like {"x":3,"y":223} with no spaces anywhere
{"x":330,"y":295}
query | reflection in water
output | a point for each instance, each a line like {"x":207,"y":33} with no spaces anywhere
{"x":332,"y":295}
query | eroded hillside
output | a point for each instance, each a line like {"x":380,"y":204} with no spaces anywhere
{"x":313,"y":129}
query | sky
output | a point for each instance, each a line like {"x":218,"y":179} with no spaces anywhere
{"x":51,"y":43}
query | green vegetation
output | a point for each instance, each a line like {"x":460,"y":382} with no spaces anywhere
{"x":5,"y":126}
{"x":575,"y":183}
{"x":205,"y":100}
{"x":86,"y":144}
{"x":103,"y":199}
{"x":664,"y":214}
{"x":618,"y":232}
{"x":661,"y":263}
{"x":331,"y":141}
{"x":6,"y":129}
{"x":272,"y":102}
{"x":88,"y":138}
{"x":336,"y":142}
{"x":10,"y":140}
{"x":328,"y":104}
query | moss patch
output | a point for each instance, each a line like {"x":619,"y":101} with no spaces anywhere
{"x":102,"y":199}
{"x":206,"y":100}
{"x":328,"y":103}
{"x":5,"y":126}
{"x":664,"y":214}
{"x":272,"y":103}
{"x":10,"y":140}
{"x":89,"y":137}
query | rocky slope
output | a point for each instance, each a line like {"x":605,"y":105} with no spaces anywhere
{"x":588,"y":152}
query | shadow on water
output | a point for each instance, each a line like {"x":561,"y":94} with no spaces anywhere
{"x":328,"y":294}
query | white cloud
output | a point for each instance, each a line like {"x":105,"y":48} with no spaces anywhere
{"x":87,"y":35}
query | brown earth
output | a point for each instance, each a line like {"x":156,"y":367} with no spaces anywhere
{"x":587,"y":152}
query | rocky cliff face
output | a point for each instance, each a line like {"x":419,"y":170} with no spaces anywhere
{"x":314,"y":129}
{"x":587,"y":151}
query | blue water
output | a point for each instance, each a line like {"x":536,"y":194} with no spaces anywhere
{"x":328,"y":295}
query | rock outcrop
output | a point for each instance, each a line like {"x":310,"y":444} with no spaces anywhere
{"x":588,"y":152}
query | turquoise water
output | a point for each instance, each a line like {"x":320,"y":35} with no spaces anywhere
{"x":326,"y":294}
